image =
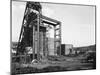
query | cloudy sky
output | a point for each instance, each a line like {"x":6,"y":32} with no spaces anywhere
{"x":78,"y":22}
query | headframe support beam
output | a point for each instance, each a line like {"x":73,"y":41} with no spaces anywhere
{"x":49,"y":20}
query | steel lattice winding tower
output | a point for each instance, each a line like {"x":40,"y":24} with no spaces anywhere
{"x":31,"y":18}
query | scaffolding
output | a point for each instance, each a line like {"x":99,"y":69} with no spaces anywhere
{"x":34,"y":33}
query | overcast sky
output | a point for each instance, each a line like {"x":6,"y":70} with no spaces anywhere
{"x":78,"y":22}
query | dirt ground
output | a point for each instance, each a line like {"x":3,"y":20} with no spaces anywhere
{"x":53,"y":65}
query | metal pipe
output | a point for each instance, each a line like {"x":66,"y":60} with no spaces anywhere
{"x":38,"y":35}
{"x":60,"y":37}
{"x":43,"y":43}
{"x":55,"y":41}
{"x":33,"y":42}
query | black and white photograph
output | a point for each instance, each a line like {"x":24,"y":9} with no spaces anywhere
{"x":52,"y":37}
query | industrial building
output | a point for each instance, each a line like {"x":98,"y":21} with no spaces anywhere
{"x":67,"y":49}
{"x":34,"y":33}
